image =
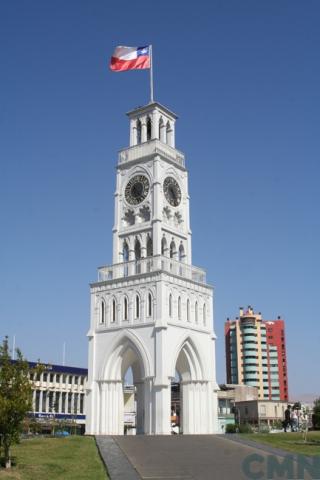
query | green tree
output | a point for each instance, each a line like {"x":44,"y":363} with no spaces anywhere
{"x":316,"y":413}
{"x":15,"y":397}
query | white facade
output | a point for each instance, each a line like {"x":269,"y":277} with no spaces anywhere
{"x":151,"y":310}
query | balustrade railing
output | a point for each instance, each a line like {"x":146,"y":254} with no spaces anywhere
{"x":151,"y":264}
{"x":150,"y":148}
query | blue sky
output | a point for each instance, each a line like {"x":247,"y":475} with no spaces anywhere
{"x":244,"y":79}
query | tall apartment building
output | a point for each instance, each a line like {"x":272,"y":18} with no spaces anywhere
{"x":256,"y":354}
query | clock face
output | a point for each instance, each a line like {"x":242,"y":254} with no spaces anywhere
{"x":137,"y":189}
{"x":172,"y":191}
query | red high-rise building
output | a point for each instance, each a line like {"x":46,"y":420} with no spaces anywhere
{"x":276,"y":337}
{"x":256,"y":354}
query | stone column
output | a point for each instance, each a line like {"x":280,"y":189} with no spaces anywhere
{"x":163,"y":133}
{"x":40,"y":401}
{"x":34,"y":400}
{"x":111,"y":408}
{"x":143,"y":129}
{"x":139,"y":386}
{"x":161,"y":409}
{"x":155,"y":125}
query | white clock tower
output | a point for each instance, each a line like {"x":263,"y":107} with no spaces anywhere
{"x":151,"y":310}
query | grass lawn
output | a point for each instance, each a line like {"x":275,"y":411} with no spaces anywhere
{"x":291,"y":442}
{"x":71,"y":458}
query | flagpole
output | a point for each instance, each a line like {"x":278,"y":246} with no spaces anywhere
{"x":151,"y":76}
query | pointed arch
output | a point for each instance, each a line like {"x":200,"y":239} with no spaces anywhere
{"x":181,"y":253}
{"x":137,"y":249}
{"x":149,"y":305}
{"x":125,"y":251}
{"x":120,"y":354}
{"x":164,"y":247}
{"x":187,"y":360}
{"x":113,"y":309}
{"x":137,"y":255}
{"x":137,"y":306}
{"x":149,"y":247}
{"x":125,"y":308}
{"x":172,"y":249}
{"x":102,"y":311}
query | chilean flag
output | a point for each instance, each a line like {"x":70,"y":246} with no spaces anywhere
{"x":130,"y":58}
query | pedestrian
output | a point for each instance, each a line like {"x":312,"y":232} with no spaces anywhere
{"x":294,"y":420}
{"x":287,"y":418}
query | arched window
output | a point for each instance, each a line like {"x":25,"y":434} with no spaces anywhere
{"x":172,"y":249}
{"x":163,"y":246}
{"x":125,"y":258}
{"x":125,"y":252}
{"x":102,"y":312}
{"x":188,"y":310}
{"x":170,"y":305}
{"x":179,"y":308}
{"x":196,"y":312}
{"x":137,"y":306}
{"x":113,"y":313}
{"x":138,"y":132}
{"x":137,"y":250}
{"x":204,"y":313}
{"x":181,"y":253}
{"x":149,"y":247}
{"x":125,"y":308}
{"x":149,"y":128}
{"x":149,"y":305}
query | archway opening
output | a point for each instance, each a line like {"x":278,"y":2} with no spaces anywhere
{"x":176,"y":403}
{"x":185,"y":389}
{"x":133,"y":392}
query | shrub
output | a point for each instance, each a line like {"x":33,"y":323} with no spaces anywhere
{"x":231,"y":428}
{"x":245,"y":428}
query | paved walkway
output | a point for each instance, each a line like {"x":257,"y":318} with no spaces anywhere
{"x":193,"y":457}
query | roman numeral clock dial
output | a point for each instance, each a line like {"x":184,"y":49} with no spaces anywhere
{"x":137,"y":189}
{"x":172,"y":191}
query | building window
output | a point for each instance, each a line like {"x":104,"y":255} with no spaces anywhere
{"x":149,"y":247}
{"x":172,"y":249}
{"x":204,"y":314}
{"x":163,"y":246}
{"x":113,"y":318}
{"x":102,"y":312}
{"x":149,"y":305}
{"x":125,"y":308}
{"x":188,"y":310}
{"x":138,"y":131}
{"x":196,"y":312}
{"x":81,"y":403}
{"x":170,"y":305}
{"x":149,"y":130}
{"x":137,"y":306}
{"x":181,"y":253}
{"x":179,"y":308}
